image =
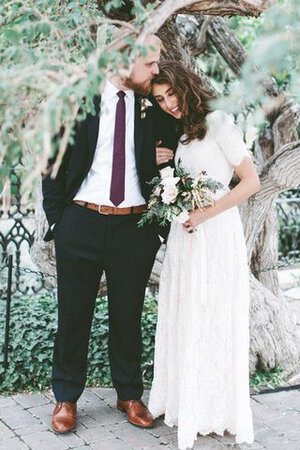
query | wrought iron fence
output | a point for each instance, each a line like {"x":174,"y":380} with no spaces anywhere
{"x":15,"y":235}
{"x":16,"y":238}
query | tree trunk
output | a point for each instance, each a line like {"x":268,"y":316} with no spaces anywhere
{"x":273,"y":338}
{"x":282,"y":131}
{"x":265,"y":254}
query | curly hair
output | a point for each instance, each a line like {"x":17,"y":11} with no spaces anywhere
{"x":193,"y":97}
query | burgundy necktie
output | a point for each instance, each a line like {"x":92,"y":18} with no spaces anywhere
{"x":117,"y":187}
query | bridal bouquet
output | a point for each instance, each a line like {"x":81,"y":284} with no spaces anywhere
{"x":175,"y":193}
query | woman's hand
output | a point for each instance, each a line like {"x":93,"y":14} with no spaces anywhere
{"x":248,"y":185}
{"x":197,"y":216}
{"x":163,"y":154}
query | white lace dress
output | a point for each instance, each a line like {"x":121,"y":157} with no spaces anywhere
{"x":201,"y":378}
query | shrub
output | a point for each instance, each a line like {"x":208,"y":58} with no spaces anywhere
{"x":33,"y":327}
{"x":32,"y":332}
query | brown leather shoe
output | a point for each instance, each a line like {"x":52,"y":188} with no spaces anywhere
{"x":137,"y":413}
{"x":64,"y":417}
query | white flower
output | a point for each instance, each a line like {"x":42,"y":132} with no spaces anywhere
{"x":167,"y":172}
{"x":170,"y":190}
{"x":145,"y":103}
{"x":169,"y":181}
{"x":169,"y":194}
{"x":182,"y":217}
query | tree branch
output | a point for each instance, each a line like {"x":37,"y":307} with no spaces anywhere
{"x":226,"y":8}
{"x":167,"y":8}
{"x":280,"y":173}
{"x":205,"y":7}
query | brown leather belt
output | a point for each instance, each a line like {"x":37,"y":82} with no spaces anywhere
{"x":106,"y":210}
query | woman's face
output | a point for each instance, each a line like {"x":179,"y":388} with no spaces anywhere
{"x":167,"y":99}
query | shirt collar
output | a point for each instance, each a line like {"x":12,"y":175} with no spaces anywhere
{"x":110,"y":91}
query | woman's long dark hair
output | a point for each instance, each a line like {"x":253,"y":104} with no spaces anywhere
{"x":193,"y":97}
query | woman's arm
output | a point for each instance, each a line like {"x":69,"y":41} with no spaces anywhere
{"x":248,"y":185}
{"x":163,"y":155}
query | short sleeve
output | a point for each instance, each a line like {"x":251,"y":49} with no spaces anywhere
{"x":228,"y":136}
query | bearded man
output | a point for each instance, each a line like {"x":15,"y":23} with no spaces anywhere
{"x":93,"y":206}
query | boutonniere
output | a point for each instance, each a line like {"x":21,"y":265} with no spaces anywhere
{"x":145,"y":104}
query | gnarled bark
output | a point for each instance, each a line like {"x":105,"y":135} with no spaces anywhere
{"x":265,"y":254}
{"x":280,"y":173}
{"x":205,"y":7}
{"x":273,"y":338}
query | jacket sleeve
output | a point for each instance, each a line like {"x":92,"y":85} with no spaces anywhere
{"x":167,"y":131}
{"x":54,"y":192}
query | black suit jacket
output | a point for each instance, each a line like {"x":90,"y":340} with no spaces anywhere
{"x":79,"y":156}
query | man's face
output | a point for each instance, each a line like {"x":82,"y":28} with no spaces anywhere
{"x":144,"y":69}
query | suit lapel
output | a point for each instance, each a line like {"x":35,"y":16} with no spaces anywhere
{"x":93,"y":128}
{"x":139,"y":125}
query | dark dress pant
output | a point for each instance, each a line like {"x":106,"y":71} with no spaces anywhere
{"x":87,"y":244}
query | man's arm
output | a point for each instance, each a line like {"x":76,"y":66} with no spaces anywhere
{"x":54,"y":189}
{"x":167,"y":133}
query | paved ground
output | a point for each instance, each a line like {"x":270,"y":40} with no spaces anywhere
{"x":25,"y":418}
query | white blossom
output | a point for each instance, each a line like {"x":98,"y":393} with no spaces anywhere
{"x":169,"y":182}
{"x":169,"y":194}
{"x":167,"y":172}
{"x":147,"y":103}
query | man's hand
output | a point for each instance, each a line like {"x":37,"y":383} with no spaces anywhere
{"x":163,"y":154}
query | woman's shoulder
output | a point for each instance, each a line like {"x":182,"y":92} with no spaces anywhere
{"x":218,"y":118}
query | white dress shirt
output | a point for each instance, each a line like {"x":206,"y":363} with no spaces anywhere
{"x":95,"y":188}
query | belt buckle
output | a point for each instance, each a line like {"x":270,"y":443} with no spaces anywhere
{"x":101,"y":212}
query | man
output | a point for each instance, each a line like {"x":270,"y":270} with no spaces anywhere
{"x":92,"y":207}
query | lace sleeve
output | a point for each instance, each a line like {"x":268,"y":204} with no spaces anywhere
{"x":229,"y":138}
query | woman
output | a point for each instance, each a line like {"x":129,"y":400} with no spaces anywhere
{"x":201,"y":377}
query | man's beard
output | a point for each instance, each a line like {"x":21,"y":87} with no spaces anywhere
{"x":139,"y":88}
